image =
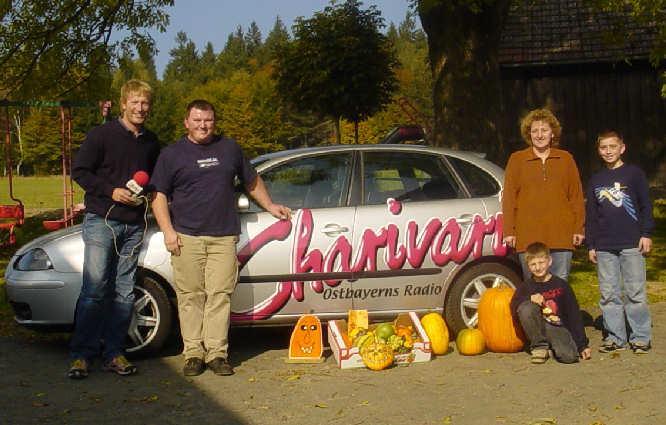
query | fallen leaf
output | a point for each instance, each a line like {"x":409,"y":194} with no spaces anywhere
{"x":364,"y":403}
{"x":447,"y":420}
{"x":293,"y":377}
{"x":321,"y":405}
{"x":150,"y":399}
{"x":592,"y":407}
{"x":40,"y":394}
{"x":39,"y":404}
{"x":252,"y":379}
{"x":500,"y":418}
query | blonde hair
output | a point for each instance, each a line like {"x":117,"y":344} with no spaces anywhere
{"x":536,"y":249}
{"x":544,"y":115}
{"x":135,"y":87}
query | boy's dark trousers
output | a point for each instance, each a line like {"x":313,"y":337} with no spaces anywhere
{"x":544,"y":335}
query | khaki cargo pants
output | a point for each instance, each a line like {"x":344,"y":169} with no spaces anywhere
{"x":205,"y":274}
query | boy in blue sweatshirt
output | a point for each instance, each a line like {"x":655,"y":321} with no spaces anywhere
{"x":619,"y":223}
{"x":548,"y":312}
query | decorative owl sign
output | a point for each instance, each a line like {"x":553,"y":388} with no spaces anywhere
{"x":307,"y":341}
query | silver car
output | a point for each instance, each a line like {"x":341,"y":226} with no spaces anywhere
{"x":387,"y":228}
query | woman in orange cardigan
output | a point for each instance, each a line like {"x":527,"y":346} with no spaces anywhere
{"x":542,"y":199}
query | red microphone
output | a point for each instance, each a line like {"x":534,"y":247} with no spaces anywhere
{"x":138,"y":181}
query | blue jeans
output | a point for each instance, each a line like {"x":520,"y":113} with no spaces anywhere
{"x":104,"y":307}
{"x":615,"y":268}
{"x":561,"y":264}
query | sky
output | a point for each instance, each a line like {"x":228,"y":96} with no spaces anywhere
{"x":214,"y":20}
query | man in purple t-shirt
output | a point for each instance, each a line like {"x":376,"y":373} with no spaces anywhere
{"x":195,"y":209}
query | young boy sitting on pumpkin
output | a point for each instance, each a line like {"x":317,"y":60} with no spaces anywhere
{"x":548,"y":312}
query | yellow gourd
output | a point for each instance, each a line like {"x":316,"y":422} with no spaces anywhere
{"x":377,"y":355}
{"x":437,"y":332}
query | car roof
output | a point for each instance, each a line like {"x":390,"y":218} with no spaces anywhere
{"x":365,"y":147}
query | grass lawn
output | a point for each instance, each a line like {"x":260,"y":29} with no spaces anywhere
{"x":42,"y":196}
{"x":37,"y":193}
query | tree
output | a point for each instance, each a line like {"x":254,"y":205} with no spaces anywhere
{"x":49,"y":48}
{"x":184,"y":59}
{"x":339,"y":64}
{"x":276,"y":39}
{"x":651,"y":13}
{"x":252,"y":39}
{"x":234,"y":55}
{"x":463,"y":44}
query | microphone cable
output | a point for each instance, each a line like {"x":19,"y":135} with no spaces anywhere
{"x":115,"y":237}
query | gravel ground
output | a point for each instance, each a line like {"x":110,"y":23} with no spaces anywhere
{"x":451,"y":389}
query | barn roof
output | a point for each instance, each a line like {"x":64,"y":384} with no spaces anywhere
{"x":567,"y":32}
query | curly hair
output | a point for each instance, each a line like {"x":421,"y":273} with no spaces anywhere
{"x":544,"y":115}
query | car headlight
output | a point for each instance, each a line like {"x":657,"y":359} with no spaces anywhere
{"x":35,"y":259}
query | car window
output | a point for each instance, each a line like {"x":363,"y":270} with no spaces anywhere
{"x":478,"y":182}
{"x":314,"y":182}
{"x":406,"y":177}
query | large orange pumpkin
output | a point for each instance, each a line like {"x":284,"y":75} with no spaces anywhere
{"x":470,"y":342}
{"x":496,"y":323}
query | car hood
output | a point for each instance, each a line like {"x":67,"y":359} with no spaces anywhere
{"x":65,"y":249}
{"x":49,"y":238}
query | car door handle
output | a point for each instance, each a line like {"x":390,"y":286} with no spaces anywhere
{"x":334,"y":229}
{"x":465,"y":218}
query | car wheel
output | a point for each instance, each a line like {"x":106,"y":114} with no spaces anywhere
{"x":151,"y":317}
{"x":462,"y":303}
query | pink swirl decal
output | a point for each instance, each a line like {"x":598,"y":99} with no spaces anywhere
{"x":444,"y":241}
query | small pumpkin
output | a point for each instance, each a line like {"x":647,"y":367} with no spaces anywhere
{"x":405,"y":332}
{"x":496,"y":322}
{"x":438,"y":333}
{"x":377,"y":355}
{"x":470,"y":342}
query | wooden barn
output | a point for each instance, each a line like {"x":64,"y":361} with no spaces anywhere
{"x":593,"y":70}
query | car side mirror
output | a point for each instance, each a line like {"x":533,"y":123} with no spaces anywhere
{"x":243,"y":202}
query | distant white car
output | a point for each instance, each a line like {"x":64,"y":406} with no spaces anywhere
{"x":387,"y":228}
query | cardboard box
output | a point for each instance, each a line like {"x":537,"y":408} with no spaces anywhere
{"x":350,"y":357}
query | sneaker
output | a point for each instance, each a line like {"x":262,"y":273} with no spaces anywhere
{"x":640,"y":347}
{"x":539,"y":355}
{"x":221,"y":366}
{"x":611,"y":347}
{"x":78,"y":369}
{"x":194,"y":366}
{"x":120,"y":365}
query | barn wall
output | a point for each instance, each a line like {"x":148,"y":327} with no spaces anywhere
{"x":588,"y":99}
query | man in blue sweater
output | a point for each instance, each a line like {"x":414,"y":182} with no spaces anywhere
{"x":619,"y":224}
{"x":113,"y":230}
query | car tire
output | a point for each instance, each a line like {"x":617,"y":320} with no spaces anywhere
{"x":152,"y":317}
{"x":462,"y":301}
